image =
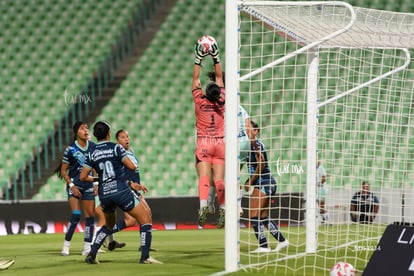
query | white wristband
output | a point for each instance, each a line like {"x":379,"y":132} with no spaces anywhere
{"x":95,"y":183}
{"x":71,"y":185}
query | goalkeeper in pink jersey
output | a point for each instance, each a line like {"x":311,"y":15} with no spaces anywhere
{"x":209,"y":113}
{"x":244,"y":142}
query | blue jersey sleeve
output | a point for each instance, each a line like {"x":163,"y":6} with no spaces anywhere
{"x":120,"y":152}
{"x":66,"y":156}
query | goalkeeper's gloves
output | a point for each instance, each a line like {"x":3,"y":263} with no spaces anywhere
{"x":215,"y":52}
{"x":199,"y":53}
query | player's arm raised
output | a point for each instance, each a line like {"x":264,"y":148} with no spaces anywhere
{"x":215,"y":53}
{"x":199,"y":54}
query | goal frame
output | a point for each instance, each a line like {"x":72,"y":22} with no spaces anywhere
{"x":232,"y":177}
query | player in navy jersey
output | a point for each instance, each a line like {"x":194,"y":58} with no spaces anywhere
{"x":261,"y":185}
{"x":122,"y":137}
{"x":111,"y":163}
{"x":80,"y":193}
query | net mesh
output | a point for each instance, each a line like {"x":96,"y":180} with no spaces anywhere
{"x":363,"y":135}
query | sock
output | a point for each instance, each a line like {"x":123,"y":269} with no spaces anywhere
{"x":211,"y":195}
{"x":273,"y":229}
{"x":100,"y":237}
{"x":259,"y":232}
{"x":89,"y":229}
{"x":203,"y":188}
{"x":110,"y":237}
{"x":97,"y":228}
{"x":220,"y":192}
{"x":146,"y":238}
{"x":120,"y":224}
{"x":74,"y":220}
{"x":86,"y":247}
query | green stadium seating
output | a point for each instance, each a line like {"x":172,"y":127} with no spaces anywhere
{"x":154,"y":103}
{"x":47,"y":47}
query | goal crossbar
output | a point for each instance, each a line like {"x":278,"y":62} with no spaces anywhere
{"x":354,"y":28}
{"x":371,"y":29}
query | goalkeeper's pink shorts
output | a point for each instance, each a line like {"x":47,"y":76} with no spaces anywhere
{"x":210,"y":149}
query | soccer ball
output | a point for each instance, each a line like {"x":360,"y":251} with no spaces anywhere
{"x":342,"y":269}
{"x":204,"y":43}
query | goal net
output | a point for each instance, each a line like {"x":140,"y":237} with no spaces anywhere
{"x":331,"y":83}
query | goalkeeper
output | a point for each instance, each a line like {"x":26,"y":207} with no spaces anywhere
{"x":209,"y":113}
{"x":244,"y":142}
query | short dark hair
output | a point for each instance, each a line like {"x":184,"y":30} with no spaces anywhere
{"x":101,"y":130}
{"x":119,"y":132}
{"x":213,"y":92}
{"x":254,"y":125}
{"x":76,"y":126}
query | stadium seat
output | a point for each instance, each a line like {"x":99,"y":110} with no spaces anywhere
{"x":154,"y":103}
{"x":51,"y":49}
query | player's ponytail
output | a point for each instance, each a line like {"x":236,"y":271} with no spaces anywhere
{"x":58,"y":171}
{"x":211,"y":75}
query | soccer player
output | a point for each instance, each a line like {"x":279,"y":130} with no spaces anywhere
{"x":261,"y":185}
{"x":364,"y":205}
{"x":244,"y":142}
{"x":322,"y":191}
{"x":80,"y":193}
{"x":111,"y":161}
{"x":122,"y":137}
{"x":209,"y":151}
{"x":244,"y":123}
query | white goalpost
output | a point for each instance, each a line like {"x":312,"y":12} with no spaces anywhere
{"x":325,"y":82}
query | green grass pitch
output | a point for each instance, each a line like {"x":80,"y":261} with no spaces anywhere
{"x":184,"y":252}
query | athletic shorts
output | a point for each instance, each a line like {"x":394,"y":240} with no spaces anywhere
{"x":266,"y":184}
{"x":322,"y":192}
{"x":210,"y":149}
{"x":86,"y":193}
{"x":244,"y":148}
{"x":126,"y":200}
